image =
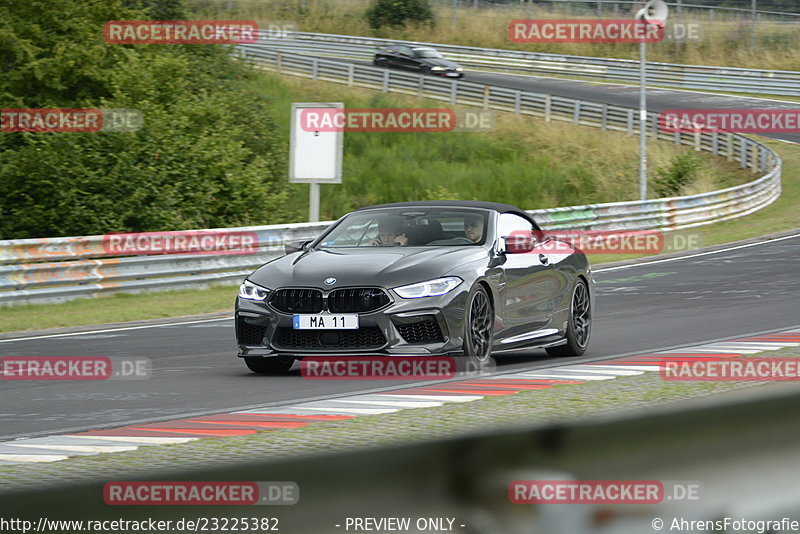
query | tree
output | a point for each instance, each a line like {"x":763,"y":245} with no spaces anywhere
{"x":398,"y":13}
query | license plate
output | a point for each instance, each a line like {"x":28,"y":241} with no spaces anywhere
{"x":326,"y":321}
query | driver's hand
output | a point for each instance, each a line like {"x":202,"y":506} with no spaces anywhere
{"x":401,"y":240}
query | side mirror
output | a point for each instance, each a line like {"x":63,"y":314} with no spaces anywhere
{"x":520,"y":242}
{"x":296,"y":246}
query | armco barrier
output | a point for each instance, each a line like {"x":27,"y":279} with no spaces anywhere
{"x":731,"y":79}
{"x":41,"y":270}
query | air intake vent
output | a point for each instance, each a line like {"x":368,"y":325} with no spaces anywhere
{"x":424,"y":331}
{"x":297,"y":300}
{"x":357,"y":300}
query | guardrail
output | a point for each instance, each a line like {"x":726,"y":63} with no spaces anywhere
{"x":41,"y":270}
{"x":732,"y":79}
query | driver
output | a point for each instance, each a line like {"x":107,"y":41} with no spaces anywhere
{"x":389,"y":234}
{"x":473,"y":227}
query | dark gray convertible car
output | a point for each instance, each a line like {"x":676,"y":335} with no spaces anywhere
{"x":418,"y":278}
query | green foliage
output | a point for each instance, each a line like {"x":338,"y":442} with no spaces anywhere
{"x":398,"y":13}
{"x":669,"y":181}
{"x":207,"y":156}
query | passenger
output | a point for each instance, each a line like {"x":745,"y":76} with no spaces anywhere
{"x":389,"y":234}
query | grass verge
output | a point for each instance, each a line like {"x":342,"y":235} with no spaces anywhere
{"x":559,"y":404}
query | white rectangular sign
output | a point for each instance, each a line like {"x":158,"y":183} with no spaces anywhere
{"x":314,"y":156}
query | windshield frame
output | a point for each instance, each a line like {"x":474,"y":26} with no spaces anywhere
{"x":488,"y":225}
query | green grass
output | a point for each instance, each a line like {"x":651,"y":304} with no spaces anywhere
{"x":119,"y":307}
{"x":523,"y":161}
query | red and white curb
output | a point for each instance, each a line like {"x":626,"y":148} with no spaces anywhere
{"x":241,"y":423}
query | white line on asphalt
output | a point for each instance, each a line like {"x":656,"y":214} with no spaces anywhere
{"x":645,"y":263}
{"x":120,"y":329}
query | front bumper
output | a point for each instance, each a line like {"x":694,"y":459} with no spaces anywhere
{"x":263,"y":331}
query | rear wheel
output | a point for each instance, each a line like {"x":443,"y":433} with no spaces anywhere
{"x":579,"y":325}
{"x":478,"y":329}
{"x":272,"y":366}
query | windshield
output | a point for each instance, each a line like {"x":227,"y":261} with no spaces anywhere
{"x":409,"y":227}
{"x":427,"y":52}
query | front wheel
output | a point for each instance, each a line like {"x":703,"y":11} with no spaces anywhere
{"x":579,"y":325}
{"x":479,"y":329}
{"x":270,"y":366}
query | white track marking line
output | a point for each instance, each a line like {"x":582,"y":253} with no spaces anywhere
{"x":120,"y":329}
{"x":443,"y":398}
{"x":76,"y":448}
{"x":144,"y":440}
{"x":399,"y":404}
{"x":645,"y":263}
{"x":32,"y":458}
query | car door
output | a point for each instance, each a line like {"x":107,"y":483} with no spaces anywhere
{"x":405,"y":58}
{"x":529,"y":286}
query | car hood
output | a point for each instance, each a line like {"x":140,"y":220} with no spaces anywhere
{"x":374,"y":266}
{"x":435,"y":62}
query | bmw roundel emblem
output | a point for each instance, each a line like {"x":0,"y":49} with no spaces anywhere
{"x":330,"y":281}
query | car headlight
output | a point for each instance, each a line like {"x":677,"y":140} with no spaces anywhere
{"x":431,"y":288}
{"x":250,"y":291}
{"x":437,"y":68}
{"x":459,"y":69}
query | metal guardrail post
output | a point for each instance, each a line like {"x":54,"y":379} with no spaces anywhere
{"x":350,"y":74}
{"x":517,"y":101}
{"x":548,"y":106}
{"x":385,"y":87}
{"x":486,"y":93}
{"x":454,"y":93}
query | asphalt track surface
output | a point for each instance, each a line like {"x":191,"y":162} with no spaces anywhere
{"x":628,"y":96}
{"x":645,"y":307}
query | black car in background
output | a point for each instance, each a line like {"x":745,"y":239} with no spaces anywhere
{"x":417,"y":278}
{"x":417,"y":58}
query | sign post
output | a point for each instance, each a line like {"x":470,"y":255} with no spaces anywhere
{"x":315,"y":155}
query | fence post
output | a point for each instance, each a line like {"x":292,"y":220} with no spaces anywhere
{"x":385,"y":87}
{"x":351,"y":74}
{"x":548,"y":104}
{"x":755,"y":163}
{"x":454,"y":92}
{"x":630,"y":122}
{"x":278,"y":62}
{"x":517,"y":102}
{"x":715,"y":143}
{"x":486,"y":92}
{"x":604,"y":118}
{"x":314,"y":68}
{"x":730,"y":146}
{"x":576,"y":114}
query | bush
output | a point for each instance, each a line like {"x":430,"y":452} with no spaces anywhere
{"x":398,"y":13}
{"x":669,"y":181}
{"x":207,"y":156}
